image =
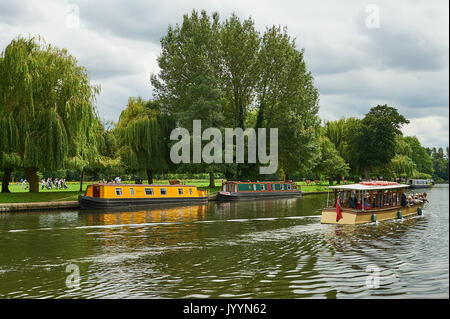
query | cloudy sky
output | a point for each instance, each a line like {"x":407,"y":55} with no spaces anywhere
{"x":361,"y":53}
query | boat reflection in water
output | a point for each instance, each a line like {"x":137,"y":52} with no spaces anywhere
{"x":153,"y":215}
{"x":155,"y":226}
{"x":349,"y":237}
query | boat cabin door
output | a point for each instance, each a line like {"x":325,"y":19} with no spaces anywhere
{"x":96,"y":191}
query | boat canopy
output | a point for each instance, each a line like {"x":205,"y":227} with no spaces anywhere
{"x":369,"y":186}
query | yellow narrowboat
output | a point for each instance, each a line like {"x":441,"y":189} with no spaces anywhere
{"x":368,"y":202}
{"x":119,"y":195}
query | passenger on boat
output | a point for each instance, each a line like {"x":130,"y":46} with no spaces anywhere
{"x":424,"y":197}
{"x":416,"y":200}
{"x":366,"y":205}
{"x":410,"y":200}
{"x":404,"y":201}
{"x":351,"y":202}
{"x":358,"y":205}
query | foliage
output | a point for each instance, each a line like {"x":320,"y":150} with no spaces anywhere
{"x":227,"y":75}
{"x":47,"y":103}
{"x":330,"y":164}
{"x":143,"y":136}
{"x":372,"y":140}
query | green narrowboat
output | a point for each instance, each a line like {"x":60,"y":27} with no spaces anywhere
{"x":251,"y":190}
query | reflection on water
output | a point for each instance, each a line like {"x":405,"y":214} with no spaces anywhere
{"x":174,"y":214}
{"x":255,"y":249}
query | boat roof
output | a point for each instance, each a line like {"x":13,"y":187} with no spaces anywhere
{"x":369,"y":186}
{"x":146,"y":185}
{"x":263,"y":182}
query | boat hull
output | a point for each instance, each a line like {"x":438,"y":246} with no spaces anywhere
{"x":87,"y":202}
{"x":230,"y":196}
{"x":354,"y":217}
{"x":419,"y":186}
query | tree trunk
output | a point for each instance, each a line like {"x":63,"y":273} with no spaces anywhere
{"x":286,"y":176}
{"x":150,"y":176}
{"x":330,"y":181}
{"x":211,"y":180}
{"x":338,"y":180}
{"x":366,"y":173}
{"x":33,"y":179}
{"x":81,"y":180}
{"x":6,"y":179}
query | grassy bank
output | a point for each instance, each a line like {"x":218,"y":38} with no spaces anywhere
{"x":20,"y":195}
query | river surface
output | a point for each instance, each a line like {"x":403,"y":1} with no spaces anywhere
{"x":248,"y":249}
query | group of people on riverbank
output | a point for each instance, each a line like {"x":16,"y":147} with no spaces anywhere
{"x":110,"y":180}
{"x":57,"y":183}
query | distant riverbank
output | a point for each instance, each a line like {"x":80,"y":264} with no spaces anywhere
{"x":20,"y":195}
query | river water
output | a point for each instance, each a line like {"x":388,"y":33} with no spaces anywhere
{"x":248,"y":249}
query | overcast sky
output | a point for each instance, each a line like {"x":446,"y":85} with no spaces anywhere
{"x":361,"y":53}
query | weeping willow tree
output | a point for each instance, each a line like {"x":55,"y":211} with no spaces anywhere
{"x":99,"y":153}
{"x":9,"y":159}
{"x":48,"y":103}
{"x":143,"y":135}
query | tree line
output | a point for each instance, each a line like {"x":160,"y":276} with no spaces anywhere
{"x":224,"y":73}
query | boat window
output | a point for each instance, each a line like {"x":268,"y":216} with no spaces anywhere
{"x":288,"y":186}
{"x":263,"y":187}
{"x":149,"y":191}
{"x":119,"y":191}
{"x":163,"y":191}
{"x":190,"y":191}
{"x":282,"y":187}
{"x":180,"y":191}
{"x":132,"y":191}
{"x":254,"y":187}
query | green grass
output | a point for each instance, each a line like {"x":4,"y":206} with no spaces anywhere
{"x":20,"y":195}
{"x":316,"y":187}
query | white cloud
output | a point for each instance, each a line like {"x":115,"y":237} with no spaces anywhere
{"x":404,"y":63}
{"x":432,"y":131}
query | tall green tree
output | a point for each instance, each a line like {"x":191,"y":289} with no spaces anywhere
{"x":288,"y":100}
{"x":189,"y":82}
{"x":239,"y":46}
{"x":143,"y":134}
{"x":372,"y":140}
{"x":330,"y":164}
{"x":440,"y":164}
{"x":335,"y":131}
{"x":48,"y":101}
{"x":227,"y":75}
{"x":419,"y":155}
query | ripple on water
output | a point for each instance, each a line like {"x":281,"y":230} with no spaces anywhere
{"x":269,"y":249}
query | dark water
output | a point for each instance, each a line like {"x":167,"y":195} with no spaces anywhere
{"x":255,"y":249}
